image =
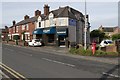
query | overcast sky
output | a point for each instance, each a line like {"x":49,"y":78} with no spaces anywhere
{"x":100,"y":13}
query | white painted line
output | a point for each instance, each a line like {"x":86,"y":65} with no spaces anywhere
{"x":71,"y":65}
{"x":111,"y":75}
{"x":8,"y":69}
{"x":3,"y":74}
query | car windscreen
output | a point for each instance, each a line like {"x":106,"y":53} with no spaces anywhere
{"x":110,"y":42}
{"x":37,"y":40}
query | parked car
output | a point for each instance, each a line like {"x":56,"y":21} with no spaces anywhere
{"x":35,"y":42}
{"x":105,"y":43}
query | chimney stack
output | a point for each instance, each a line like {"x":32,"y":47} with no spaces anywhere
{"x":14,"y":23}
{"x":37,"y":13}
{"x":46,"y":10}
{"x":26,"y":17}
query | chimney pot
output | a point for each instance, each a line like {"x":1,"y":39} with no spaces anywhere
{"x":37,"y":13}
{"x":14,"y":22}
{"x":26,"y":17}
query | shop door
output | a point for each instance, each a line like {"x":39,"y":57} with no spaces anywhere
{"x":62,"y":41}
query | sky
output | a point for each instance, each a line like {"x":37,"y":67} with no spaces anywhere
{"x":100,"y":13}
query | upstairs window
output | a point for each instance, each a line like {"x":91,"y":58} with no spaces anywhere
{"x":9,"y":30}
{"x":27,"y":27}
{"x":14,"y":29}
{"x":51,"y":19}
{"x":39,"y":24}
{"x":17,"y":28}
{"x":23,"y":27}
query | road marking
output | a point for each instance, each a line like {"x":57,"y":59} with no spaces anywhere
{"x":58,"y":62}
{"x":3,"y":74}
{"x":111,"y":75}
{"x":11,"y":71}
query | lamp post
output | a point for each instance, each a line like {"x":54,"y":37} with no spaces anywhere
{"x":85,"y":30}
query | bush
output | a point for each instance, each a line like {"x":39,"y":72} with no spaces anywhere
{"x":72,"y":50}
{"x":88,"y":52}
{"x":80,"y":51}
{"x":16,"y":37}
{"x":100,"y":53}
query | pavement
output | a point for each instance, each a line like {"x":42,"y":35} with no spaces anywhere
{"x":65,"y":52}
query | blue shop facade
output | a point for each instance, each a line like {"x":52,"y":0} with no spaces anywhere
{"x":52,"y":36}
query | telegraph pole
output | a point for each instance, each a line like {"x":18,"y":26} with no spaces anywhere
{"x":85,"y":30}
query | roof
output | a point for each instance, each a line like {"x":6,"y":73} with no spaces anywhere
{"x":32,"y":19}
{"x":66,"y":12}
{"x":108,"y":29}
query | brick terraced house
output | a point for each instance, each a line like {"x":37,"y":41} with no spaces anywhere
{"x":26,"y":26}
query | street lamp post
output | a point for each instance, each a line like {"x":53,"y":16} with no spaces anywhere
{"x":85,"y":30}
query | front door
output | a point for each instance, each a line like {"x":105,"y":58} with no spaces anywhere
{"x":62,"y":40}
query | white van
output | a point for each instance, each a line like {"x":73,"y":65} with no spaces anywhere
{"x":105,"y":43}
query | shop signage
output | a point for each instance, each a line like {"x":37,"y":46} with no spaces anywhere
{"x":35,"y":32}
{"x":46,"y":31}
{"x":62,"y":32}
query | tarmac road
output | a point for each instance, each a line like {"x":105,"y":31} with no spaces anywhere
{"x":39,"y":64}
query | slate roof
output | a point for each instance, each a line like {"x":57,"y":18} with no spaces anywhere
{"x":32,"y":19}
{"x":66,"y":12}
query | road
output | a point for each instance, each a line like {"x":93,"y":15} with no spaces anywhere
{"x":40,"y":64}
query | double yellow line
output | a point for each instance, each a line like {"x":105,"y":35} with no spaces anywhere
{"x":12,"y":72}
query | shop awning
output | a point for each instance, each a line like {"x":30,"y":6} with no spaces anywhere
{"x":50,"y":30}
{"x":38,"y":31}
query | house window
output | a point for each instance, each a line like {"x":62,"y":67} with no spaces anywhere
{"x":14,"y":29}
{"x":61,"y":22}
{"x":17,"y":28}
{"x":39,"y":24}
{"x":9,"y":30}
{"x":51,"y":20}
{"x":23,"y":27}
{"x":27,"y":27}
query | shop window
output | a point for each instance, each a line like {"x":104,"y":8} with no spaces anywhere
{"x":51,"y":38}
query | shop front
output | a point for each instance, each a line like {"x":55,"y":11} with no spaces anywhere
{"x":49,"y":36}
{"x":37,"y":34}
{"x":62,"y":37}
{"x":52,"y":36}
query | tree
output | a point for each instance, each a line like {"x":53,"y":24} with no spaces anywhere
{"x":98,"y":34}
{"x":116,"y":36}
{"x":23,"y":33}
{"x":16,"y":38}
